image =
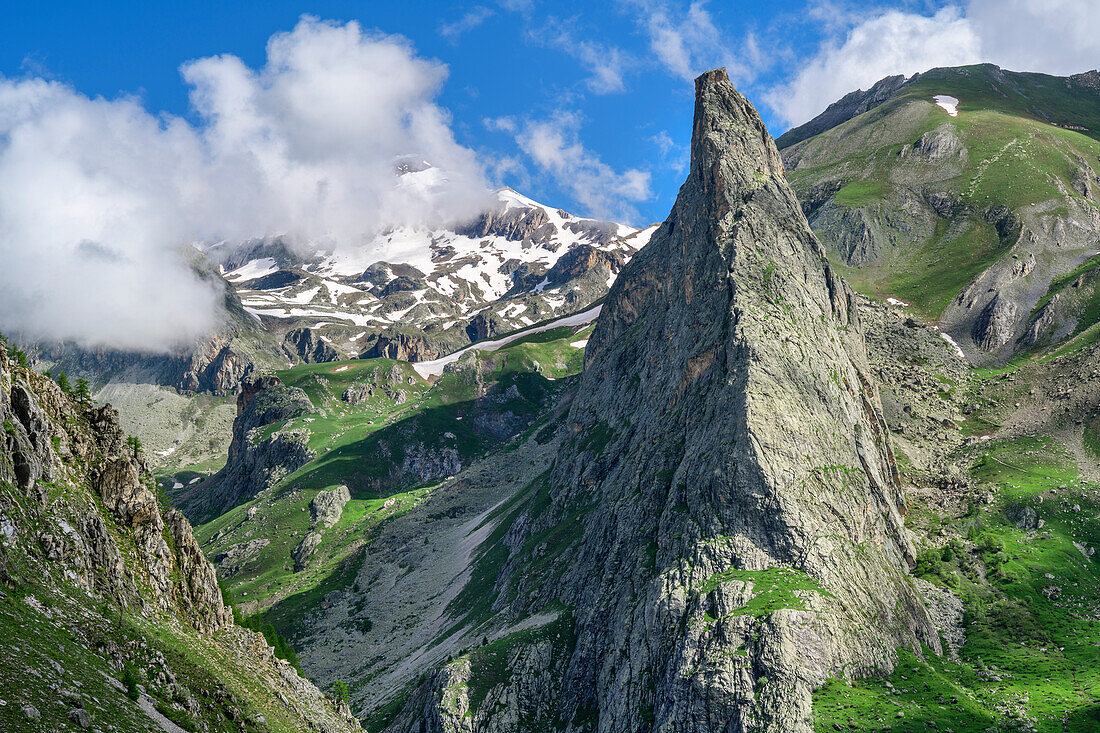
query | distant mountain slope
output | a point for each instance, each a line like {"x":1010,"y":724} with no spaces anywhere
{"x":1064,"y":101}
{"x":968,"y":214}
{"x":418,"y":294}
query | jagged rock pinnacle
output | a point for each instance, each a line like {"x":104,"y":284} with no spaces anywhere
{"x":725,"y":420}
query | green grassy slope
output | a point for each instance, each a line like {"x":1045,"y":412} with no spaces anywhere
{"x":1023,"y":555}
{"x":363,"y":447}
{"x":1015,"y":157}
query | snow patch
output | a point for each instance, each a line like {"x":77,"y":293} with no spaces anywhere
{"x":950,"y":104}
{"x":951,"y":341}
{"x":253,"y":269}
{"x":895,"y":301}
{"x":341,"y":369}
{"x":579,"y":344}
{"x":434,"y":368}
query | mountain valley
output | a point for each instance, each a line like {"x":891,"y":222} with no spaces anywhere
{"x":819,"y":452}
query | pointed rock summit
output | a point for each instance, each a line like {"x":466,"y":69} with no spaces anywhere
{"x":724,"y":520}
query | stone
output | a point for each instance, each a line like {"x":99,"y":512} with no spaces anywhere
{"x":80,"y":717}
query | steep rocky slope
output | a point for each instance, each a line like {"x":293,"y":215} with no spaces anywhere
{"x":411,"y":294}
{"x":324,"y":454}
{"x":972,"y":211}
{"x":107,"y":600}
{"x":720,"y":529}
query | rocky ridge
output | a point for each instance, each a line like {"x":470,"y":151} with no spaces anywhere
{"x":256,"y":460}
{"x":90,"y":563}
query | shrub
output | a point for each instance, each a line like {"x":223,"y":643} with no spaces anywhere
{"x":129,"y":680}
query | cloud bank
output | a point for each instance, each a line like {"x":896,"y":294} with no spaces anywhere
{"x":1050,"y":36}
{"x":96,"y":196}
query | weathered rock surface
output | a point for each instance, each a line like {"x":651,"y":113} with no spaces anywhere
{"x":328,"y":505}
{"x":256,"y":461}
{"x":725,"y":432}
{"x":96,"y":546}
{"x":325,"y":510}
{"x":307,"y":345}
{"x":850,"y":105}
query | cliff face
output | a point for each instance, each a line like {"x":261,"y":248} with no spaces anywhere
{"x":52,"y":442}
{"x":101,"y":583}
{"x":724,"y":521}
{"x":256,"y":461}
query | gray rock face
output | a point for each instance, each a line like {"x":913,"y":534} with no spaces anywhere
{"x":994,"y":313}
{"x":850,"y":105}
{"x":307,"y":345}
{"x":255,"y":461}
{"x":49,"y":437}
{"x":238,"y":556}
{"x":328,"y":505}
{"x":728,"y":488}
{"x":325,"y":510}
{"x":103,"y":542}
{"x":304,"y":550}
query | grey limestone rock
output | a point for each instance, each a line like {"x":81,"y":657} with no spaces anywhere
{"x":726,"y":519}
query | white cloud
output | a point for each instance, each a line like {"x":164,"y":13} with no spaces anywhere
{"x":1050,"y":36}
{"x":687,"y":41}
{"x":605,"y":63}
{"x":673,"y":156}
{"x":470,"y":20}
{"x":1053,"y":36}
{"x":97,"y":195}
{"x":890,"y":43}
{"x":554,"y":146}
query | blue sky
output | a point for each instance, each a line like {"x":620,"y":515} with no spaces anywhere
{"x":583,"y":105}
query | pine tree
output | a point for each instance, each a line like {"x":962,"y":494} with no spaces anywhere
{"x":83,"y":393}
{"x":133,"y":442}
{"x":63,"y":382}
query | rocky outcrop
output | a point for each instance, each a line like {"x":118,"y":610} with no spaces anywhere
{"x":325,"y":510}
{"x":484,"y":325}
{"x":728,"y":488}
{"x":86,"y":547}
{"x":257,"y":458}
{"x":849,"y":106}
{"x":307,"y":346}
{"x":1001,"y":311}
{"x":51,"y":438}
{"x":378,"y":383}
{"x":405,"y":345}
{"x":514,"y":224}
{"x":581,"y":260}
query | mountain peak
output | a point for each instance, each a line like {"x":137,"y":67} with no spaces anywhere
{"x":728,"y":127}
{"x":725,"y":382}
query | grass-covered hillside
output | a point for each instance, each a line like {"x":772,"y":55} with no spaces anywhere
{"x":390,"y":437}
{"x":946,"y":212}
{"x":1014,"y":537}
